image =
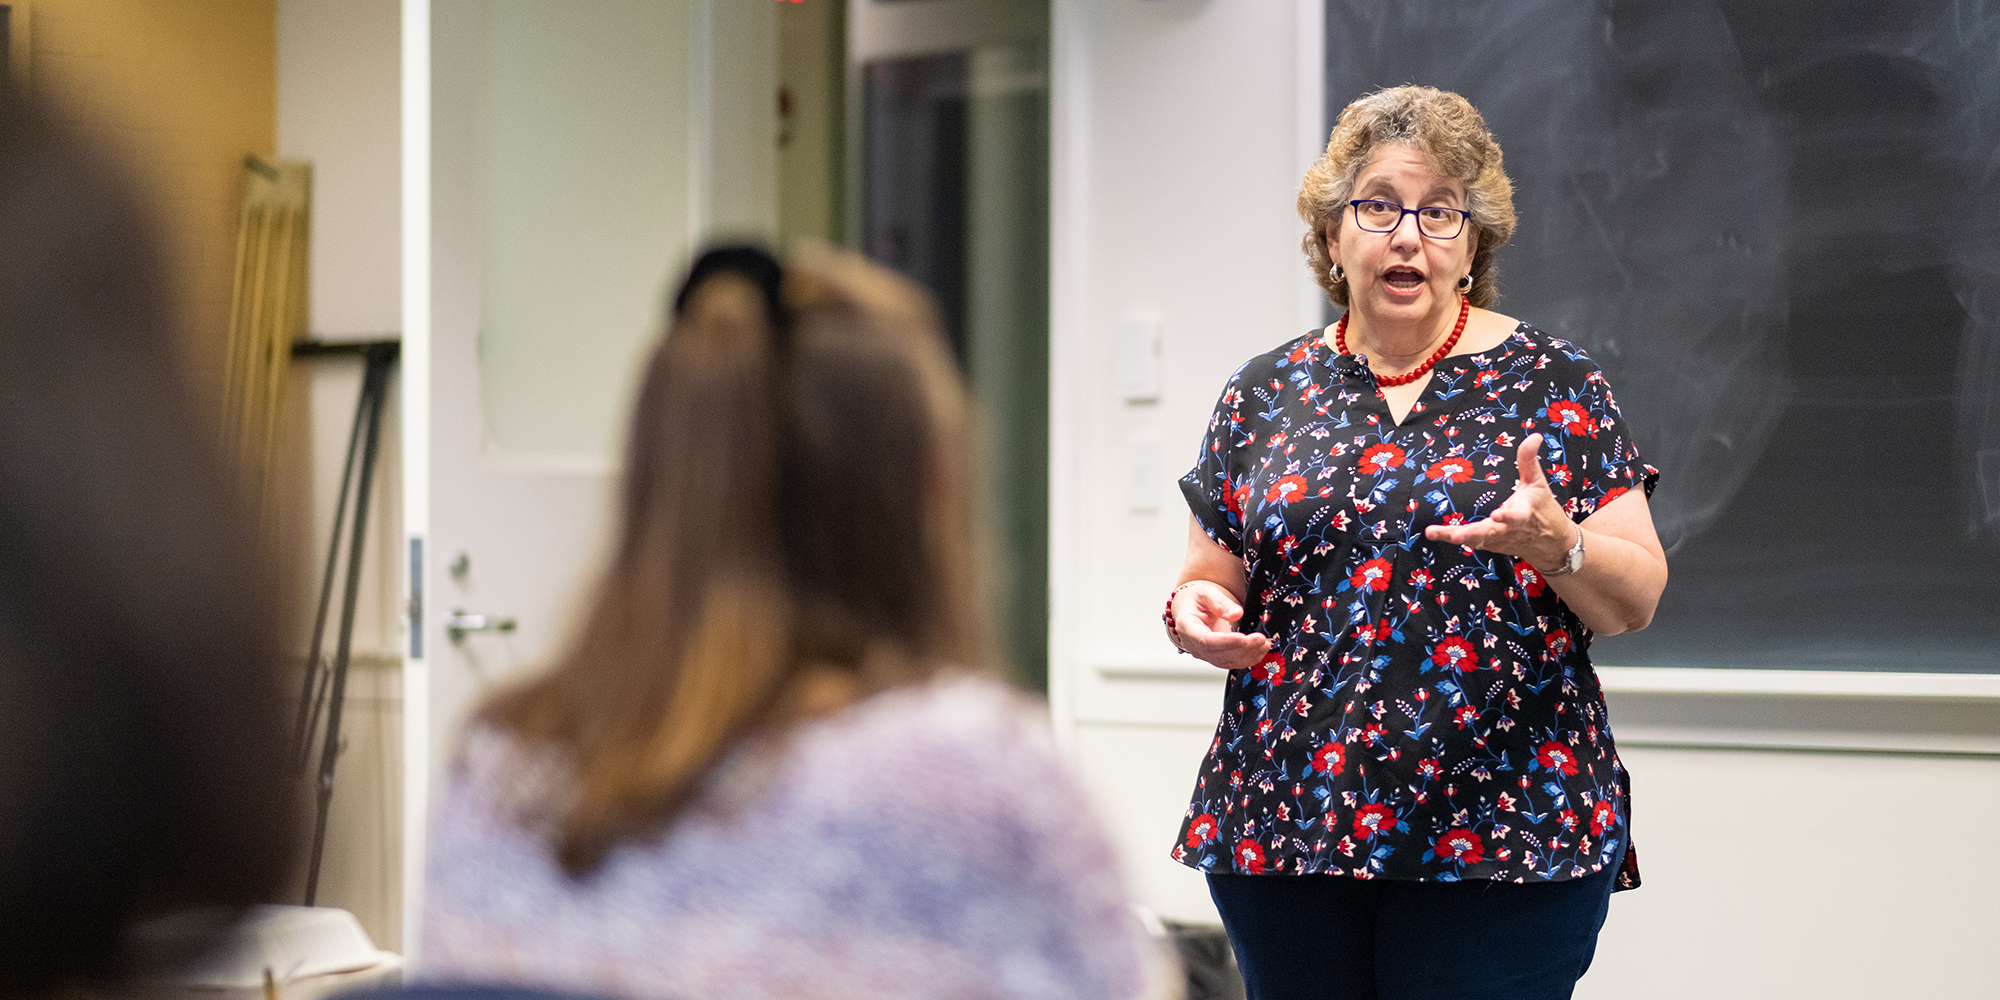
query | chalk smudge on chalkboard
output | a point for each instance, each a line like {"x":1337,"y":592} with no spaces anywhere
{"x":1651,"y":200}
{"x":1776,"y":225}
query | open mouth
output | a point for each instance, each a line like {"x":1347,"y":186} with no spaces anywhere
{"x":1403,"y":278}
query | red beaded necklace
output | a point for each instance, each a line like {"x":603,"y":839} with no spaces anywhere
{"x":1464,"y":310}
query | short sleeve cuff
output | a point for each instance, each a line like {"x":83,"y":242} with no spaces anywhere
{"x":1212,"y":513}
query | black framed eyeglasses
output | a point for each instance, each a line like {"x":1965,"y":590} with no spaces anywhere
{"x":1433,"y":221}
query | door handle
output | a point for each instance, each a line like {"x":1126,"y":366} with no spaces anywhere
{"x":463,"y":623}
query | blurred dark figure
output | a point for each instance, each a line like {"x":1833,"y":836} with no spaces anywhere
{"x":141,"y":737}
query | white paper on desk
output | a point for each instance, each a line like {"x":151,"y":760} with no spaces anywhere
{"x":294,"y":942}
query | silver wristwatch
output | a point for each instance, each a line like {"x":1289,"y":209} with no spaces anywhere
{"x":1571,"y":562}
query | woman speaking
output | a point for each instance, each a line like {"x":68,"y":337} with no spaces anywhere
{"x":1406,"y":528}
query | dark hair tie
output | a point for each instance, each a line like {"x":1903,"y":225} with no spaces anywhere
{"x":752,"y":262}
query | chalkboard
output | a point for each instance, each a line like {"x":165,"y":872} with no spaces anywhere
{"x":1776,"y":225}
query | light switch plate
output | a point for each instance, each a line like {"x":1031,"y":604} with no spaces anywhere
{"x":1142,"y":473}
{"x":1139,"y":361}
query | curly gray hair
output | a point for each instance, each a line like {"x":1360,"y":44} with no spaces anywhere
{"x":1451,"y":136}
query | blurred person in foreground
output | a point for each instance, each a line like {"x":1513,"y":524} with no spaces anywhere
{"x":141,"y":739}
{"x":772,"y":763}
{"x":1405,"y":528}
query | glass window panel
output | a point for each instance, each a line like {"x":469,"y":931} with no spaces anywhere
{"x":585,"y":190}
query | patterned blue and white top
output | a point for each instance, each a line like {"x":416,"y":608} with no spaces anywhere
{"x":1427,"y":711}
{"x":925,"y":842}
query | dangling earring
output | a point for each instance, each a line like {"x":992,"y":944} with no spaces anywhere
{"x":1336,"y":274}
{"x":1465,"y":284}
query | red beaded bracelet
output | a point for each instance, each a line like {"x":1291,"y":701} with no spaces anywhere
{"x":1167,"y":616}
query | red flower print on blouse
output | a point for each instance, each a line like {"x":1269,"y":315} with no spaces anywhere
{"x":1371,"y":575}
{"x":1429,"y":768}
{"x":1372,"y":819}
{"x":1530,"y":577}
{"x":1330,"y":760}
{"x":1381,"y":458}
{"x":1558,"y":642}
{"x":1462,"y":846}
{"x":1557,"y":757}
{"x":1571,"y":417}
{"x":1457,"y":470}
{"x":1201,"y":831}
{"x":1286,"y":490}
{"x":1238,"y":499}
{"x":1271,"y":669}
{"x":1454,"y":653}
{"x":1250,"y":857}
{"x":1602,"y":817}
{"x":1465,"y":716}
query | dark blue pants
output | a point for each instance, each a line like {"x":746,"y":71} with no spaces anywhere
{"x":1330,"y":937}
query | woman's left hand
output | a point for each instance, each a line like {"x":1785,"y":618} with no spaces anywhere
{"x":1529,"y":524}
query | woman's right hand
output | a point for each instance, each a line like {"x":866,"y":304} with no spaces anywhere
{"x":1205,"y":615}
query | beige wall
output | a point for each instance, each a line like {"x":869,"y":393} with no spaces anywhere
{"x":812,"y":52}
{"x":339,"y":77}
{"x":338,"y":106}
{"x":177,"y":93}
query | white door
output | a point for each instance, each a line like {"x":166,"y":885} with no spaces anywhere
{"x":561,"y":162}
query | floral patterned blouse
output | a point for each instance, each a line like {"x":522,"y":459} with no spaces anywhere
{"x":1427,"y":711}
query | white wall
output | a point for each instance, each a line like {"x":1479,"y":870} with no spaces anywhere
{"x":1176,"y":162}
{"x":338,"y":94}
{"x":1807,"y":845}
{"x":338,"y":86}
{"x":338,"y":76}
{"x":1788,"y":872}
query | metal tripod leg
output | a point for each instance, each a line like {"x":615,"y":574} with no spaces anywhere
{"x":374,"y":390}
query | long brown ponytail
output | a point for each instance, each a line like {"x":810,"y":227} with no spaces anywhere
{"x":795,"y":502}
